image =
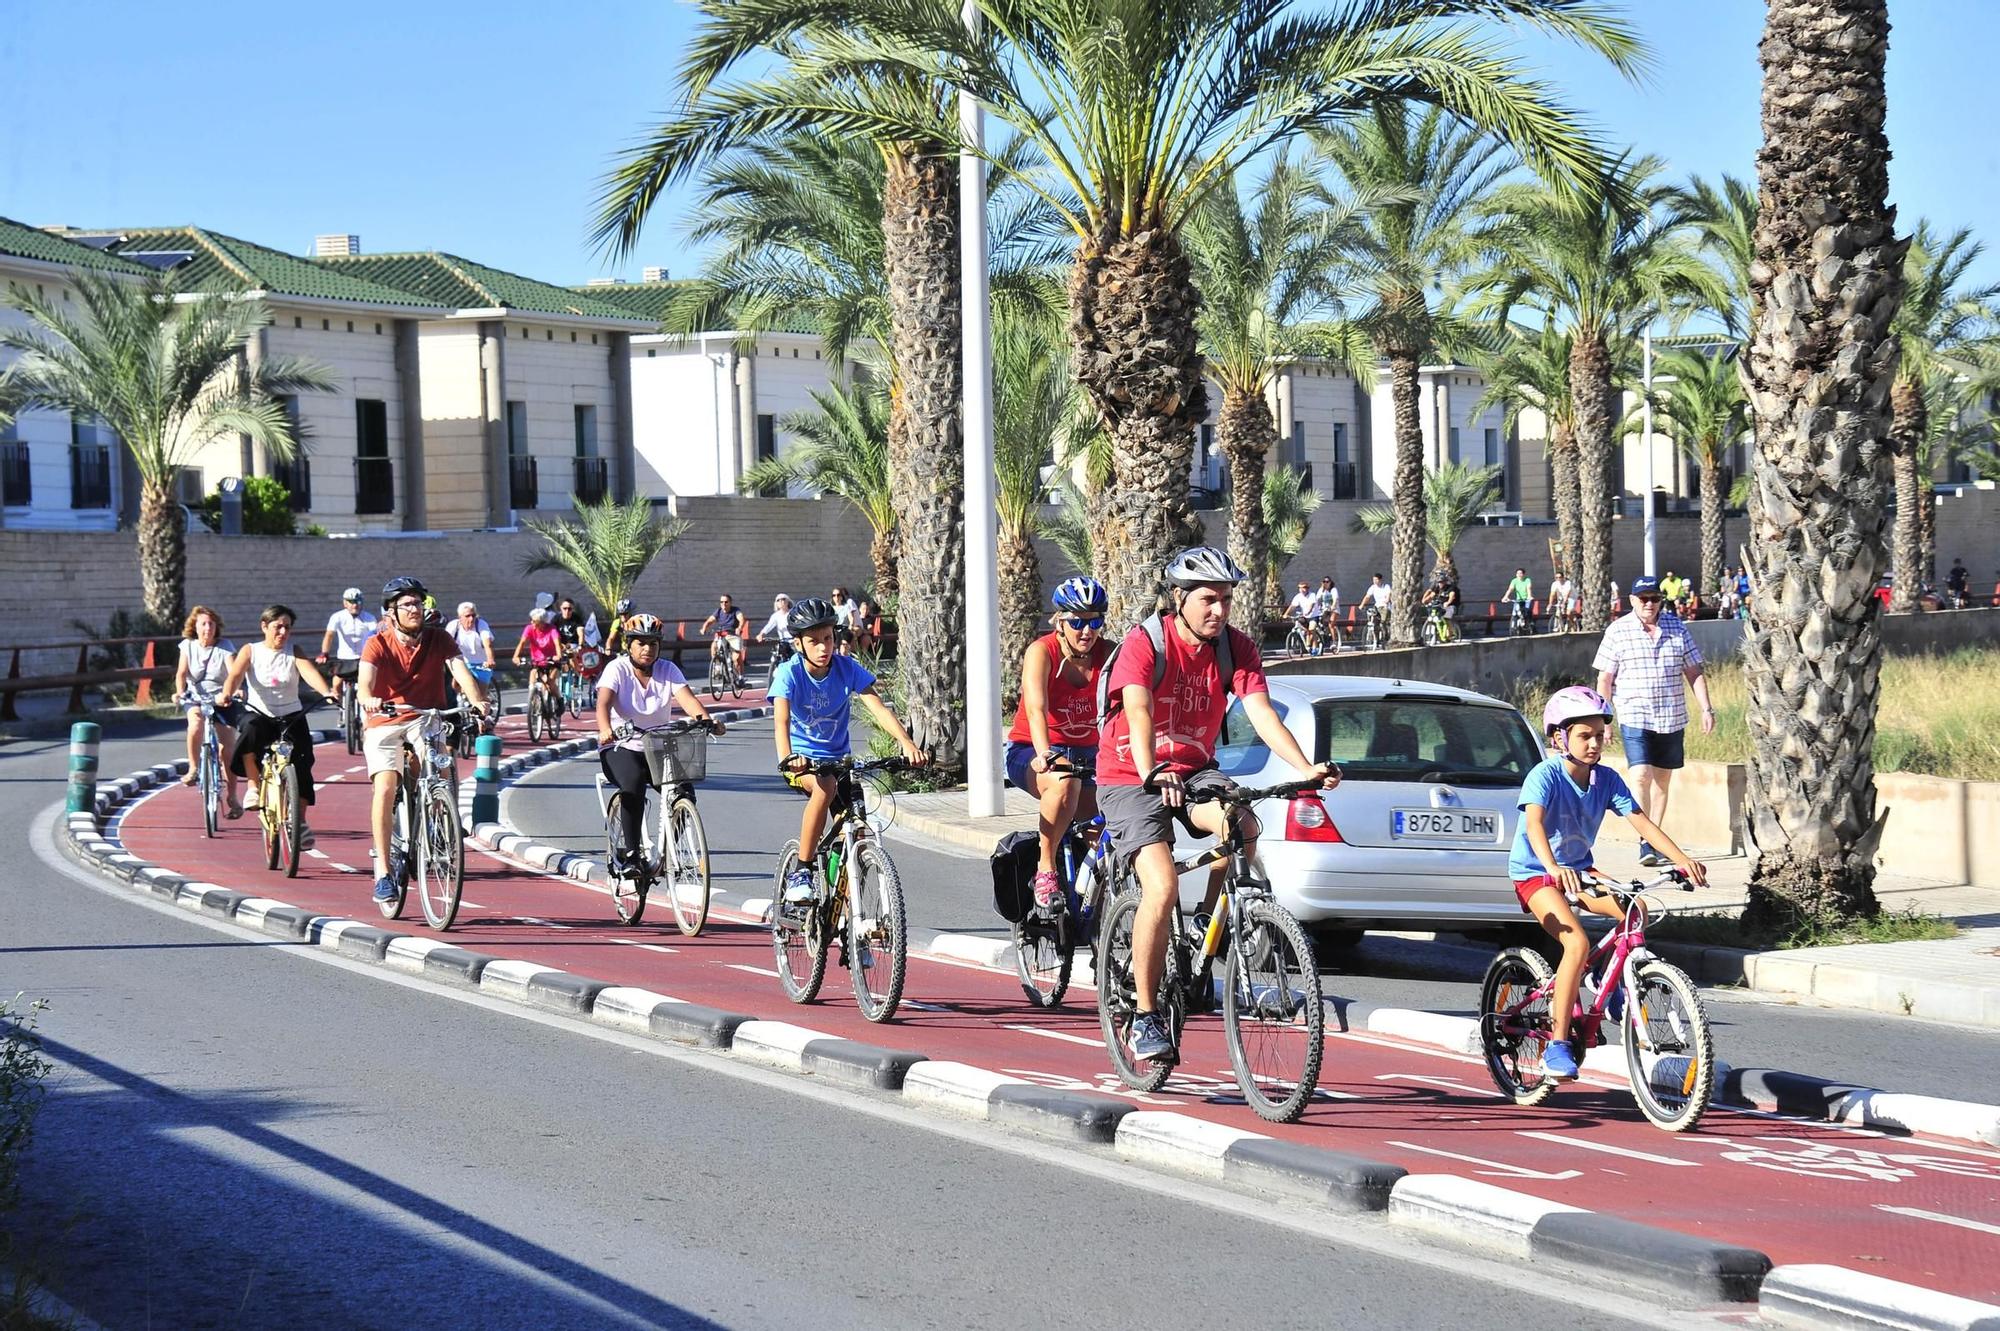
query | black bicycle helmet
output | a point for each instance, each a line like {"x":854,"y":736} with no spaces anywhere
{"x":1203,"y":566}
{"x":814,"y":612}
{"x":397,"y":588}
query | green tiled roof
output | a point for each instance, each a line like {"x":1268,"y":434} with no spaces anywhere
{"x":465,"y":285}
{"x":645,"y":299}
{"x":226,"y":263}
{"x":28,"y":242}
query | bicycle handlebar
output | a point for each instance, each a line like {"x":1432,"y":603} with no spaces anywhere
{"x":838,"y":766}
{"x":1243,"y":796}
{"x":390,"y":709}
{"x":625,"y":730}
{"x":1625,"y":891}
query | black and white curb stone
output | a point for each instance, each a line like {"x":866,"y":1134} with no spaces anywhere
{"x":1459,"y":1209}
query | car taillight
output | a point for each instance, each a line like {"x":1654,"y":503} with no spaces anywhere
{"x":1306,"y":819}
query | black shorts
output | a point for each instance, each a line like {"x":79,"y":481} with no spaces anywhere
{"x":259,"y":732}
{"x":343,"y":669}
{"x":1138,"y":817}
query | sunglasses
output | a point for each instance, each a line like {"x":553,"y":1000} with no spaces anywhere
{"x":1081,"y":625}
{"x":1649,"y":600}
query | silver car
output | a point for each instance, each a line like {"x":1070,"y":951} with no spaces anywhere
{"x":1417,"y":834}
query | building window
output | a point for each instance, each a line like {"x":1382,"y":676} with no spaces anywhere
{"x":767,"y":448}
{"x":295,"y":475}
{"x":90,"y":453}
{"x":517,"y":429}
{"x":16,"y":481}
{"x":378,"y":330}
{"x":326,"y":325}
{"x":1493,"y":458}
{"x":1453,"y":455}
{"x":350,"y":325}
{"x":548,"y":334}
{"x":297,"y":322}
{"x":374,"y":473}
{"x":586,"y":431}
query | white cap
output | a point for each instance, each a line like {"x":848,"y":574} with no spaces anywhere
{"x":351,"y":594}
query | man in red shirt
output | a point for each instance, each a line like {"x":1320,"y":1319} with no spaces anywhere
{"x":1158,"y":747}
{"x":404,"y":665}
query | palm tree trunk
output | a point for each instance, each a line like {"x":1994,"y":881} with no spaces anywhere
{"x":1591,"y":398}
{"x":927,"y":447}
{"x":1132,"y":312}
{"x":162,"y":553}
{"x":1712,"y":554}
{"x":1020,"y":607}
{"x":1926,"y":529}
{"x":1406,"y":533}
{"x":1906,"y":432}
{"x":882,"y":556}
{"x":1825,"y":288}
{"x":1246,"y":434}
{"x":1568,"y":500}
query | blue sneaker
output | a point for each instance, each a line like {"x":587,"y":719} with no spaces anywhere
{"x":385,"y":889}
{"x":1558,"y":1062}
{"x":1150,"y":1041}
{"x":1615,"y":1009}
{"x":798,"y":887}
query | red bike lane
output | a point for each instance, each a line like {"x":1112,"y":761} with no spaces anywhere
{"x":1912,"y":1209}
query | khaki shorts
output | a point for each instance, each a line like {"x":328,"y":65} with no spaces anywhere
{"x":382,"y":745}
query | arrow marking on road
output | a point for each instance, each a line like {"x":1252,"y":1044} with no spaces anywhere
{"x":1517,"y":1171}
{"x":1058,"y":1035}
{"x":1940,"y":1217}
{"x":1625,"y":1151}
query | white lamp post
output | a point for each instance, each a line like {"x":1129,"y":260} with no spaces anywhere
{"x":1646,"y":416}
{"x":984,"y":786}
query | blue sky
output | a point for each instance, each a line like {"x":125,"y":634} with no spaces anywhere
{"x":483,"y":128}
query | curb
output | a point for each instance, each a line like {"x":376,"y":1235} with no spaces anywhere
{"x":1463,"y":1210}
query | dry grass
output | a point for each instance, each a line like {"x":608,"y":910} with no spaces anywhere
{"x":1940,"y":716}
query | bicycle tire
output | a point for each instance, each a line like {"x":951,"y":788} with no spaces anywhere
{"x":799,"y":938}
{"x":1666,"y":1022}
{"x":350,"y":717}
{"x":1044,"y":953}
{"x":714,"y":682}
{"x":291,"y":819}
{"x":877,"y":956}
{"x":267,"y":817}
{"x":535,"y":715}
{"x":628,"y":891}
{"x":441,"y":862}
{"x":211,"y":788}
{"x":1295,"y":642}
{"x":1510,"y":977}
{"x":552,"y":715}
{"x":397,"y":871}
{"x":1116,"y":1003}
{"x":686,"y":851}
{"x":1273,"y":955}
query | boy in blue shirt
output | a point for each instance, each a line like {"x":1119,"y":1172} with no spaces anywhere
{"x":1563,"y":802}
{"x":812,"y":697}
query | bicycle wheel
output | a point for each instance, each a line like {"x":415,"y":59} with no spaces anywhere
{"x":798,"y":935}
{"x":1116,"y":1003}
{"x":1044,"y":951}
{"x":350,"y":717}
{"x":714,"y":679}
{"x":268,"y":814}
{"x":1669,"y":1049}
{"x":628,"y":891}
{"x":211,"y":787}
{"x":1513,"y":1041}
{"x":291,"y":819}
{"x":535,"y":715}
{"x":441,"y":857}
{"x":397,"y":871}
{"x":685,"y":843}
{"x":877,"y":933}
{"x":1295,"y":642}
{"x":552,"y":715}
{"x":1272,"y":1014}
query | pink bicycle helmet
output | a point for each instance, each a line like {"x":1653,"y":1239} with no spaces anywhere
{"x":1575,"y":703}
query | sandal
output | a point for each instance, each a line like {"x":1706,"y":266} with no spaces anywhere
{"x":191,"y":779}
{"x":235,"y":809}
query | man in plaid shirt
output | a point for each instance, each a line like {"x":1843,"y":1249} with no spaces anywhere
{"x":1650,"y":652}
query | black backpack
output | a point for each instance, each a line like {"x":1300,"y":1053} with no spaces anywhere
{"x":1015,"y":859}
{"x":1156,"y":629}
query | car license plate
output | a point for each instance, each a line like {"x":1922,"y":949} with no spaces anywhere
{"x":1445,"y":824}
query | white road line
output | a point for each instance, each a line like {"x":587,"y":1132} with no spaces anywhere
{"x":317,"y":854}
{"x":337,"y":776}
{"x":352,"y":770}
{"x":1940,"y":1217}
{"x":925,"y":1007}
{"x":1517,"y":1171}
{"x":344,"y":868}
{"x":546,"y":924}
{"x":1446,"y":1082}
{"x":1628,"y":1153}
{"x":754,"y":970}
{"x":646,"y":947}
{"x":1064,"y":1036}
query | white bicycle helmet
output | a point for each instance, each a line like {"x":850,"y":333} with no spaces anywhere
{"x":1203,"y":566}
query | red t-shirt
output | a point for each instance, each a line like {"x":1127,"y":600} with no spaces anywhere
{"x":1072,"y":708}
{"x":409,"y":675}
{"x":1188,"y":704}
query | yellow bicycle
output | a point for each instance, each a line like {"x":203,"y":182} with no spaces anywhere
{"x":280,"y":809}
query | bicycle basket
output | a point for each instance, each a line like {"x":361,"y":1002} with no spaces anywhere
{"x":678,"y":759}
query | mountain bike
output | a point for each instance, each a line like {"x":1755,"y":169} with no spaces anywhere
{"x":673,"y":845}
{"x":280,"y":811}
{"x":1669,"y":1048}
{"x":1044,"y":942}
{"x":1518,"y":623}
{"x":1374,"y":628}
{"x":1301,"y":641}
{"x":426,"y":842}
{"x":208,"y":772}
{"x":1436,"y":628}
{"x":1273,"y":1018}
{"x":723,"y":677}
{"x":544,"y":711}
{"x":856,"y":894}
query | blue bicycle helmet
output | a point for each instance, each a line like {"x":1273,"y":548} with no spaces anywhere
{"x":1086,"y":595}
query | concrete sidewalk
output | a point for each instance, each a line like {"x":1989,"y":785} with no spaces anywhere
{"x":1953,"y":979}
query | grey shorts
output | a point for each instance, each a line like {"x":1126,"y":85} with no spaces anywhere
{"x":1136,"y":816}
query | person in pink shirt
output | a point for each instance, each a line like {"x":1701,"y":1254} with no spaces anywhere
{"x":543,"y":647}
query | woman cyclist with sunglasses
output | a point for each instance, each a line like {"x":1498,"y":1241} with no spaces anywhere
{"x":1056,"y":725}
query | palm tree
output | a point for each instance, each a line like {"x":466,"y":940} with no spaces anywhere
{"x":163,"y":369}
{"x":1035,"y":411}
{"x":842,"y":451}
{"x":1940,"y":327}
{"x":605,"y":547}
{"x":1598,"y":267}
{"x":1724,"y":216}
{"x":1820,"y":366}
{"x":1444,"y":170}
{"x":1454,"y":497}
{"x":1529,"y":368}
{"x":1264,"y":268}
{"x":1289,"y":504}
{"x":1701,"y":408}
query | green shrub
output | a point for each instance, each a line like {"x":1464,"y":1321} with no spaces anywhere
{"x":267,"y":509}
{"x":23,"y":1069}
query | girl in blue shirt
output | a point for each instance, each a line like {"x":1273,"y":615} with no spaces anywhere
{"x":1563,"y":802}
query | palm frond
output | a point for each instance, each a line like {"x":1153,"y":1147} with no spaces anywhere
{"x":1454,"y":497}
{"x":605,"y":547}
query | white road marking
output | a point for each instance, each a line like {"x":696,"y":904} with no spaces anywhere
{"x":754,"y":970}
{"x":1446,"y":1082}
{"x":1940,"y":1217}
{"x":1517,"y":1171}
{"x":337,"y":776}
{"x":644,"y":947}
{"x":925,"y":1007}
{"x":344,"y":868}
{"x":317,"y":854}
{"x":546,"y":924}
{"x":1064,"y":1036}
{"x":1627,"y":1152}
{"x":352,"y":770}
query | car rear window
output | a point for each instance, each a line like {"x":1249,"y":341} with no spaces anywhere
{"x":1424,"y":739}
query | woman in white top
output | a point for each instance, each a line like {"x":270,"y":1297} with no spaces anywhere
{"x":778,"y":629}
{"x":270,"y":675}
{"x":641,"y":689}
{"x":201,"y":673}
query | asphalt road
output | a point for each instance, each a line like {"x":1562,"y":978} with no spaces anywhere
{"x":239,"y":1137}
{"x":749,"y":814}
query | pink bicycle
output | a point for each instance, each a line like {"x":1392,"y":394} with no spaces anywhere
{"x":1669,"y":1049}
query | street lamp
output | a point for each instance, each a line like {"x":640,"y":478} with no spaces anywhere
{"x":984,"y":786}
{"x":1646,"y":417}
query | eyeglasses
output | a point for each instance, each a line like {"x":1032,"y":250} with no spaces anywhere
{"x":1084,"y":625}
{"x":409,"y":605}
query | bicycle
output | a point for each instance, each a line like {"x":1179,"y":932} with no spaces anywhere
{"x":1045,"y":944}
{"x":544,"y":712}
{"x":1330,"y":636}
{"x":280,"y":811}
{"x":576,"y":686}
{"x":1518,"y":623}
{"x":350,"y":715}
{"x":1270,"y":983}
{"x":426,"y":842}
{"x":723,"y":677}
{"x":208,"y":772}
{"x":1300,"y":640}
{"x":866,"y":905}
{"x":1437,"y":630}
{"x":1669,"y":1048}
{"x":1374,"y":632}
{"x":465,"y":733}
{"x":676,"y":759}
{"x":781,"y":652}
